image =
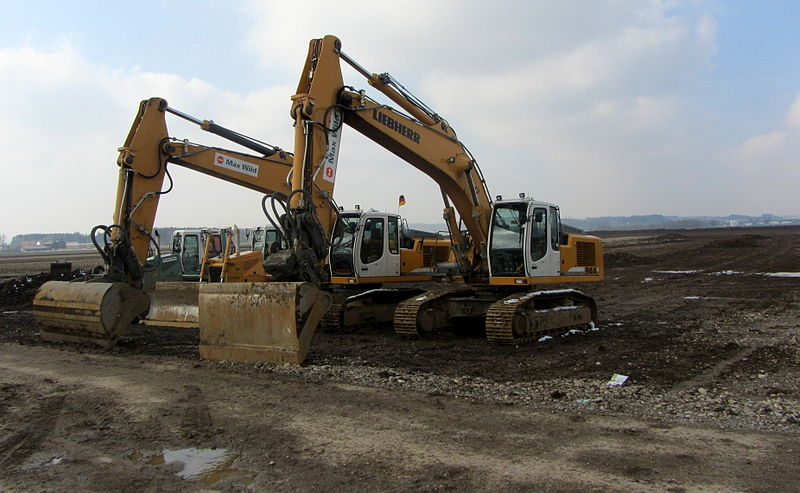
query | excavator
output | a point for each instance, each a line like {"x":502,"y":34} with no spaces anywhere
{"x":505,"y":248}
{"x":99,"y":309}
{"x":504,"y":251}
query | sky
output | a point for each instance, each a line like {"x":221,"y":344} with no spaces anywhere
{"x":615,"y":107}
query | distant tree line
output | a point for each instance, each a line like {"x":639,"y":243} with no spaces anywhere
{"x":659,"y":221}
{"x":50,"y":238}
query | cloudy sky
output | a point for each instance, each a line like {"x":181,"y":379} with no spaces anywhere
{"x":606,"y":108}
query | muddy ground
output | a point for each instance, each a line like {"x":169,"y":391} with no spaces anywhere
{"x":704,"y":323}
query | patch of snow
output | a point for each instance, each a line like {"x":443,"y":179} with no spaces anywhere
{"x":725,"y":273}
{"x":780,"y":274}
{"x":545,"y":338}
{"x":692,"y":298}
{"x":676,"y":271}
{"x":647,"y":279}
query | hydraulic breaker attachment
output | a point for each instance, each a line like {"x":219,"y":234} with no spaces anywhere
{"x":87,"y":312}
{"x":174,"y":304}
{"x":271,"y":322}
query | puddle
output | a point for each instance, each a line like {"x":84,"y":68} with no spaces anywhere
{"x":206,"y":465}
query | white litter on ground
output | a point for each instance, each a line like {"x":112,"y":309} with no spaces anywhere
{"x":617,"y":380}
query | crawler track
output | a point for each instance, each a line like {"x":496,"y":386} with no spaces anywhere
{"x":521,"y":318}
{"x":405,"y":315}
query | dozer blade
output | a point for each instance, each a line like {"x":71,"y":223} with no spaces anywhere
{"x":174,"y":304}
{"x":271,"y":322}
{"x":90,"y":312}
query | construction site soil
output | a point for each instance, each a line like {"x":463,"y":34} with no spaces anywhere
{"x":704,"y":324}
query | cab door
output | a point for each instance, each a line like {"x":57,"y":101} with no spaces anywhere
{"x":542,"y":257}
{"x":190,"y":254}
{"x":377,"y":253}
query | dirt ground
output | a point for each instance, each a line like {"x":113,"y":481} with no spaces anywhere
{"x":703,"y":322}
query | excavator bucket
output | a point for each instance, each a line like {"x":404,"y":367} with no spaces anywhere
{"x":88,"y":312}
{"x":174,"y":304}
{"x":270,"y":322}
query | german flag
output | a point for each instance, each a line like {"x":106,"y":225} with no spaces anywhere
{"x":402,"y":201}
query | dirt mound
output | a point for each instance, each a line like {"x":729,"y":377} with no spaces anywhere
{"x":669,"y":238}
{"x":19,"y":293}
{"x":624,"y":259}
{"x":744,"y":241}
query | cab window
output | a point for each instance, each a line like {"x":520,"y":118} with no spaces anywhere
{"x":372,"y":240}
{"x":555,"y":228}
{"x":394,"y":239}
{"x":341,"y":257}
{"x":539,"y":234}
{"x":176,"y":243}
{"x":216,"y":245}
{"x":505,"y":250}
{"x":191,"y":252}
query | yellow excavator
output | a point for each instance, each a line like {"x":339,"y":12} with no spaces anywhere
{"x":505,"y":251}
{"x":99,"y":309}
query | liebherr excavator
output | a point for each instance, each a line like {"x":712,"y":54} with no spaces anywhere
{"x":507,"y":247}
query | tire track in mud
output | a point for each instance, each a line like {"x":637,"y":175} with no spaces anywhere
{"x":195,"y":416}
{"x":20,"y":445}
{"x":706,"y":377}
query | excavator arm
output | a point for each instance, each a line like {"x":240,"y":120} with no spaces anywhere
{"x":143,"y":161}
{"x":422,"y":138}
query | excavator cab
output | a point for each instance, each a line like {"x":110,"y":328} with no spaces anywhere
{"x":267,"y":241}
{"x":366,"y":245}
{"x":527,"y":245}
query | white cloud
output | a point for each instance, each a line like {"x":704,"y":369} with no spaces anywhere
{"x":793,"y":115}
{"x":63,"y":117}
{"x":557,"y":99}
{"x":778,"y":147}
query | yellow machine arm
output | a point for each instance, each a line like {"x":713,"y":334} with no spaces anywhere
{"x":320,"y":106}
{"x":143,"y":164}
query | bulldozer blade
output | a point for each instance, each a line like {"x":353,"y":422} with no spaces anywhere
{"x":269,"y":322}
{"x":174,"y":304}
{"x":87,"y":312}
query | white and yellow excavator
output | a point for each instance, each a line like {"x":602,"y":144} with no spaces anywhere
{"x":508,"y":249}
{"x":505,"y":249}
